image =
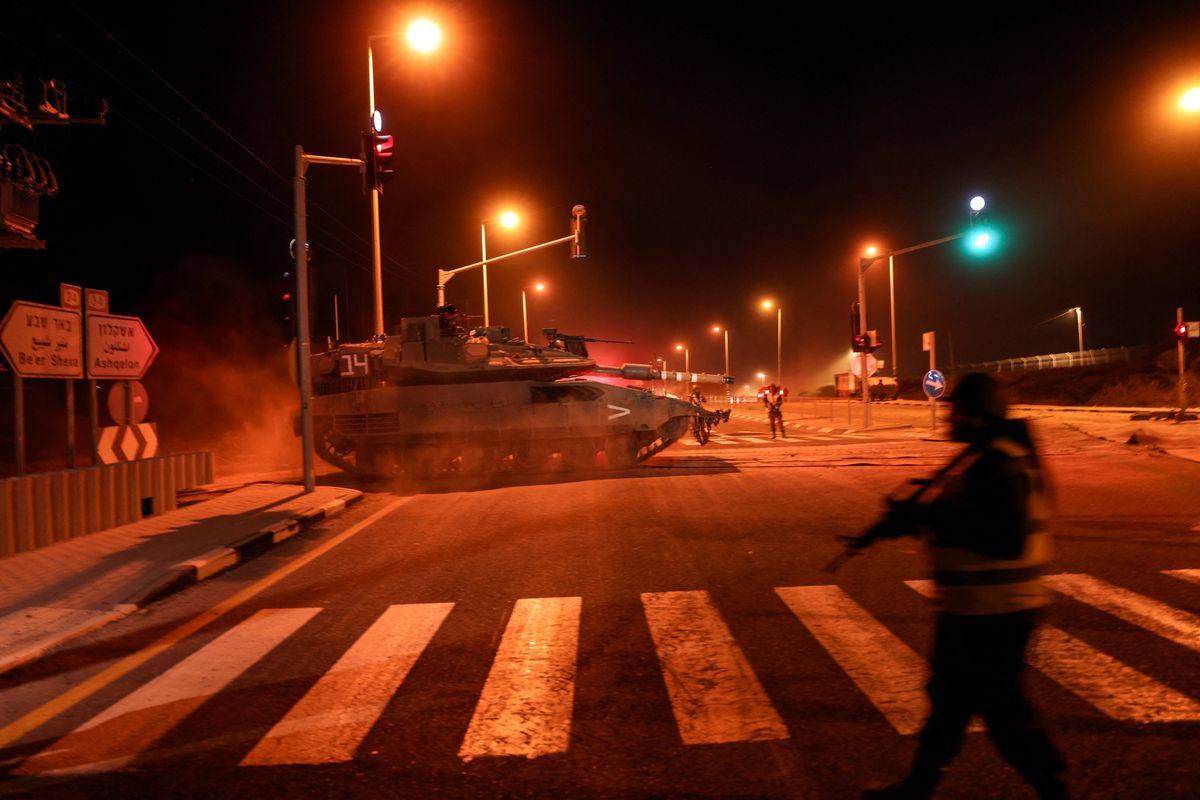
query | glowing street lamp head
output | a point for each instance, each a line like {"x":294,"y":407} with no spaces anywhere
{"x":977,"y":203}
{"x":679,"y":347}
{"x":423,"y":35}
{"x":717,"y":329}
{"x":509,"y":219}
{"x":1189,"y":101}
{"x":872,"y":250}
{"x":539,"y":286}
{"x":762,"y":376}
{"x":767,"y":305}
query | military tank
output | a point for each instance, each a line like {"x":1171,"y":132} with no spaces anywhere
{"x":441,"y":399}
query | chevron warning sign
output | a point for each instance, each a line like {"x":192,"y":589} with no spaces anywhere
{"x":120,"y":443}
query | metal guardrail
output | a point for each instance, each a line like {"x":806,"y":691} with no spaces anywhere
{"x":1086,"y":358}
{"x":37,"y":510}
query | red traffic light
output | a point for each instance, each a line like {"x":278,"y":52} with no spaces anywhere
{"x":1181,"y":331}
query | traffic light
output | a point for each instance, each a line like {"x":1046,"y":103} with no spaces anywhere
{"x":578,"y":218}
{"x":1181,"y":331}
{"x":287,"y":305}
{"x":982,"y":238}
{"x":384,"y":169}
{"x":377,"y":160}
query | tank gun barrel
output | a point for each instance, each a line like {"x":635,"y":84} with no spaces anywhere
{"x":645,"y":372}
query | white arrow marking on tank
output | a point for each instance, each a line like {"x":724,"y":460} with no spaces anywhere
{"x":620,"y":411}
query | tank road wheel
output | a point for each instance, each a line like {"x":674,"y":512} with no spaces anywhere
{"x":532,"y":456}
{"x":580,"y":454}
{"x":674,"y":428}
{"x":621,"y":451}
{"x":472,"y":459}
{"x":424,"y":462}
{"x":377,"y":462}
{"x":336,"y":449}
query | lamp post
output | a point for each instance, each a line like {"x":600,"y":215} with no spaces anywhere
{"x":728,"y":387}
{"x":509,"y":220}
{"x":687,"y":366}
{"x":981,"y":240}
{"x":1079,"y":327}
{"x":524,"y":314}
{"x":424,"y":36}
{"x":767,"y":305}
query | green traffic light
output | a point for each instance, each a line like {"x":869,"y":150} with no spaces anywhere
{"x":982,"y":241}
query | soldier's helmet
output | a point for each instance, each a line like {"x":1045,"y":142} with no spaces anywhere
{"x":979,"y":393}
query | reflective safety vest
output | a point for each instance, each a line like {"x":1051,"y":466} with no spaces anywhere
{"x":969,"y":582}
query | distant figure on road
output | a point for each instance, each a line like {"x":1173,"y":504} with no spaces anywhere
{"x":985,"y":519}
{"x":772,"y":397}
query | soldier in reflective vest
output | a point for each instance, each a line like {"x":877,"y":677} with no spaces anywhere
{"x":985,"y":520}
{"x":772,"y":397}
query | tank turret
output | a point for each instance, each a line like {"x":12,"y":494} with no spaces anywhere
{"x":439,"y":397}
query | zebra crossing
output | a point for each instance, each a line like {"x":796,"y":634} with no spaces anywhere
{"x":525,"y":706}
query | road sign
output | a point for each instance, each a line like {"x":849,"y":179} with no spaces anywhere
{"x":116,"y":402}
{"x":95,"y":301}
{"x":70,"y":296}
{"x":1193,"y":329}
{"x":42,"y":341}
{"x":127,"y":443}
{"x":118,"y":347}
{"x":934,"y":384}
{"x":856,"y":364}
{"x":927,"y":341}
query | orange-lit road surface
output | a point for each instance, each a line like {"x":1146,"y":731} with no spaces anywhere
{"x":666,"y":631}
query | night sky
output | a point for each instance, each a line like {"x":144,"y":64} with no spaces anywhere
{"x":724,"y":155}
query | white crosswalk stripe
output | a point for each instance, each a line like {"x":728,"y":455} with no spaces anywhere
{"x":714,"y":693}
{"x":887,"y":670}
{"x":333,"y":718}
{"x":1192,"y":575}
{"x":160,"y":705}
{"x":1170,"y":623}
{"x":525,"y":708}
{"x":1115,"y":688}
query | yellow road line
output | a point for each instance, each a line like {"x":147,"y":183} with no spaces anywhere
{"x":47,"y":711}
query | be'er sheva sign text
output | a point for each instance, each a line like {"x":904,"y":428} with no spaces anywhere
{"x":119,"y":348}
{"x":42,"y":341}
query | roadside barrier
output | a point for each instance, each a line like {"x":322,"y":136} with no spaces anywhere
{"x":37,"y":510}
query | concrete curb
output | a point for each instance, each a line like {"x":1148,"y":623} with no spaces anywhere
{"x":216,"y":561}
{"x":183,"y":575}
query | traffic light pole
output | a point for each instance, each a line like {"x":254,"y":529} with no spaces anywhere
{"x":863,"y":266}
{"x":578,"y":215}
{"x":1182,"y":374}
{"x":303,"y":347}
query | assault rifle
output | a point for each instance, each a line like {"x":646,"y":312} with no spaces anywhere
{"x":899,"y":520}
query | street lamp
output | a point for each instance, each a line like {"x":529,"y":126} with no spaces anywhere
{"x":767,"y":305}
{"x":524,"y":316}
{"x":509,"y":220}
{"x":728,"y":387}
{"x":423,"y":36}
{"x":1189,"y":101}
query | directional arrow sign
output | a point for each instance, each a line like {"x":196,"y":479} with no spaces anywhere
{"x":42,"y":341}
{"x":934,"y":384}
{"x":119,"y":348}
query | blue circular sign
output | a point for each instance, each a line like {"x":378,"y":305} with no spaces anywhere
{"x":934,"y":384}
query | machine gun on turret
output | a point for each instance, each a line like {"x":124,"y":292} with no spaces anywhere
{"x":574,"y":344}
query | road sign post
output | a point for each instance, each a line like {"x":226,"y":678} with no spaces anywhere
{"x":932,"y":378}
{"x":40,"y":341}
